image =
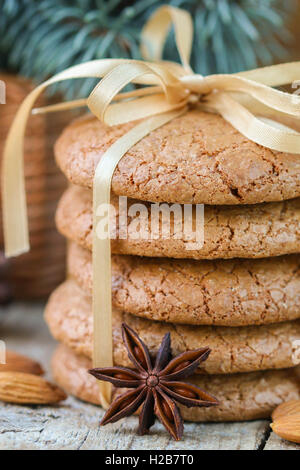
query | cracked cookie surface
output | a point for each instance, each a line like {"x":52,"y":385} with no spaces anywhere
{"x":242,"y":396}
{"x":251,"y":231}
{"x":240,"y":349}
{"x":196,"y":158}
{"x":221,"y":292}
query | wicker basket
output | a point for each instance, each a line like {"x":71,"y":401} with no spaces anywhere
{"x":35,"y":274}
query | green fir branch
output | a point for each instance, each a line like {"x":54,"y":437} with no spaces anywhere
{"x":39,"y":38}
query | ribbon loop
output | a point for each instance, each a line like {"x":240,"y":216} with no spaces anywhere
{"x":276,"y":99}
{"x":262,"y":131}
{"x":108,"y":88}
{"x":156,"y":29}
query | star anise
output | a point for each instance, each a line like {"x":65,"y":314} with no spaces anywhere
{"x":156,"y":384}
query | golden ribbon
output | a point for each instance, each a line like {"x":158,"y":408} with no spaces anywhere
{"x":245,"y":100}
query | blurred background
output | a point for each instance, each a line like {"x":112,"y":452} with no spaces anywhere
{"x":41,"y":38}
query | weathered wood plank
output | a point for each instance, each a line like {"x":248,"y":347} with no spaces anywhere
{"x":75,"y":425}
{"x":274,"y":442}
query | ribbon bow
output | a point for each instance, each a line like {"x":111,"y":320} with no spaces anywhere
{"x":169,"y":91}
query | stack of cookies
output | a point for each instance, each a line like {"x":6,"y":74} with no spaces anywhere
{"x":239,"y":293}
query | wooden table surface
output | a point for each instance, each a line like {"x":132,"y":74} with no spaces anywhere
{"x":74,"y":424}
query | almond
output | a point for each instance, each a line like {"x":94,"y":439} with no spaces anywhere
{"x":285,"y":409}
{"x":19,"y":363}
{"x":19,"y":387}
{"x":288,"y":427}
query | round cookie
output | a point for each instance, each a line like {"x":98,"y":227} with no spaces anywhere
{"x":222,"y":292}
{"x":196,"y":158}
{"x":69,"y":317}
{"x":252,"y":231}
{"x":242,"y":396}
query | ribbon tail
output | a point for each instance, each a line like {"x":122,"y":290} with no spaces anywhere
{"x":15,"y":223}
{"x":264,"y":132}
{"x":102,"y":307}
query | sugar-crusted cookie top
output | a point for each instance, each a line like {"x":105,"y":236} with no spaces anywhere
{"x":234,"y":292}
{"x":242,"y":349}
{"x":249,"y":231}
{"x":196,"y":158}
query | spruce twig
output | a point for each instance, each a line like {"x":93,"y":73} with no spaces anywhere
{"x":40,"y":38}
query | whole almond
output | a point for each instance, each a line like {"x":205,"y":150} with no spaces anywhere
{"x":288,"y":427}
{"x":284,"y":409}
{"x":19,"y":363}
{"x":28,"y":389}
